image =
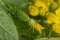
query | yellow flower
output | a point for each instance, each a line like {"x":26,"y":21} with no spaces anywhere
{"x":56,"y":28}
{"x":58,"y":12}
{"x":43,"y":10}
{"x":51,"y":18}
{"x":39,"y":4}
{"x":34,"y":11}
{"x":54,"y":3}
{"x":47,"y":2}
{"x":36,"y":26}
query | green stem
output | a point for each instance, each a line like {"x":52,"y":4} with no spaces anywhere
{"x":49,"y":34}
{"x":23,"y":16}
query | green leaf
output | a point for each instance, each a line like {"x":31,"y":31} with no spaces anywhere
{"x":52,"y":8}
{"x":8,"y":29}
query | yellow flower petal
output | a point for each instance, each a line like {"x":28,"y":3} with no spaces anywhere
{"x":34,"y":11}
{"x":51,"y":18}
{"x":54,"y":3}
{"x":47,"y":2}
{"x":58,"y":12}
{"x":56,"y":28}
{"x":38,"y":27}
{"x":43,"y":10}
{"x":43,"y":7}
{"x":39,"y":4}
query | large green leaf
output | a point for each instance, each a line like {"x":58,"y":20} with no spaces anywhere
{"x":8,"y":29}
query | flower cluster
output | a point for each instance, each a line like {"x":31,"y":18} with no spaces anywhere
{"x":49,"y":9}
